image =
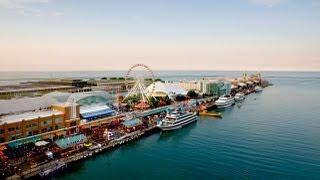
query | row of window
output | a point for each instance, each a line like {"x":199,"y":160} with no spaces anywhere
{"x":28,"y":126}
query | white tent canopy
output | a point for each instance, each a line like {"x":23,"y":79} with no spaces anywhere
{"x":169,"y":89}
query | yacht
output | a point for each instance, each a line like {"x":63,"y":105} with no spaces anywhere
{"x":177,"y":119}
{"x":258,"y":89}
{"x":239,"y":96}
{"x":225,"y":101}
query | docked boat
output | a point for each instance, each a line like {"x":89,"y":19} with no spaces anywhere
{"x":239,"y":96}
{"x":210,"y":114}
{"x":258,"y":89}
{"x":177,"y":119}
{"x":225,"y":101}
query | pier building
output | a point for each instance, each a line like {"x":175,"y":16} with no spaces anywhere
{"x":31,"y":116}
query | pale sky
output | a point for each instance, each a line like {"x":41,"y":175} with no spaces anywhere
{"x":70,"y":35}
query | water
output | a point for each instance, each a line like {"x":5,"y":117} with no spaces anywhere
{"x":271,"y":135}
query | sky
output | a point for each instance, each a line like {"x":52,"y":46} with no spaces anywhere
{"x":76,"y":35}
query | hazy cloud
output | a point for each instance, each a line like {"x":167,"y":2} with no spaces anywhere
{"x":25,"y":7}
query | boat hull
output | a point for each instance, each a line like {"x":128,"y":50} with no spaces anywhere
{"x":178,"y":125}
{"x":239,"y":99}
{"x":225,"y":105}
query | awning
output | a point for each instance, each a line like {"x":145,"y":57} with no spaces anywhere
{"x":70,"y":141}
{"x":95,"y":111}
{"x":131,"y":122}
{"x":19,"y":142}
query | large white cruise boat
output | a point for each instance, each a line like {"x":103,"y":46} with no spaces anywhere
{"x":258,"y":89}
{"x":225,"y":101}
{"x":239,"y":96}
{"x":177,"y":119}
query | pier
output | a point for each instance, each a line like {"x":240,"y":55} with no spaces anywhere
{"x":85,"y":154}
{"x":60,"y":149}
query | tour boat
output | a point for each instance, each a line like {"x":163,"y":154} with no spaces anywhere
{"x":225,"y":101}
{"x":258,"y":89}
{"x":177,"y":119}
{"x":239,"y":96}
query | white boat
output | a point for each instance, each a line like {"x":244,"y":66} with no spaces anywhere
{"x":258,"y":89}
{"x":177,"y":119}
{"x":225,"y":101}
{"x":239,"y":96}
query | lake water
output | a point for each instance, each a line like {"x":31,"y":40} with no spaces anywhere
{"x":272,"y":135}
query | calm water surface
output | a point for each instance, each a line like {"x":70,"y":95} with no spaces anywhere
{"x":272,"y":135}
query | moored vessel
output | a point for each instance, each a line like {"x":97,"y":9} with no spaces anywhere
{"x":239,"y":96}
{"x":225,"y":101}
{"x":177,"y":119}
{"x":258,"y":89}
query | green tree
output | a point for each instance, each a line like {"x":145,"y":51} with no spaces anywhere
{"x":192,"y":94}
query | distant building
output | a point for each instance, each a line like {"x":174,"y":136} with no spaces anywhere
{"x":190,"y":85}
{"x":215,"y":87}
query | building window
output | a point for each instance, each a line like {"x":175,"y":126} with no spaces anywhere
{"x":46,"y":123}
{"x":58,"y":120}
{"x":1,"y":140}
{"x":1,"y":131}
{"x":31,"y":125}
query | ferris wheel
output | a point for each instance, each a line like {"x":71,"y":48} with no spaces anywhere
{"x":141,"y":76}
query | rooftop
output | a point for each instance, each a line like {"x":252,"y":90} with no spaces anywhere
{"x":28,"y":116}
{"x":93,"y":108}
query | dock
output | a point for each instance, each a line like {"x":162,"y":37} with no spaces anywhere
{"x":69,"y":161}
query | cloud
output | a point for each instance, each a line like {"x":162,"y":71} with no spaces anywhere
{"x":269,"y":3}
{"x":25,"y":7}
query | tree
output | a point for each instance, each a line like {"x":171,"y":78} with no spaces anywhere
{"x":192,"y":94}
{"x":180,"y":98}
{"x":153,"y":102}
{"x":158,"y":79}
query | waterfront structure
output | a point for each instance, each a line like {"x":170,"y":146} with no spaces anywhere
{"x":39,"y":88}
{"x":31,"y":116}
{"x":36,"y":122}
{"x":111,"y":86}
{"x":131,"y":125}
{"x":190,"y":85}
{"x":215,"y":87}
{"x":79,"y":83}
